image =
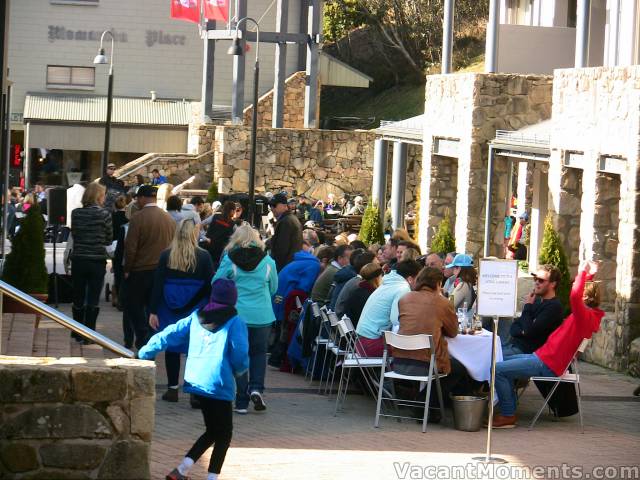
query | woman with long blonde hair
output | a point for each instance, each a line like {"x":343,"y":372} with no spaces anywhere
{"x":181,"y":285}
{"x":245,"y":262}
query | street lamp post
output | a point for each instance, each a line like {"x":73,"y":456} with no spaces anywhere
{"x":101,"y":59}
{"x":236,"y":49}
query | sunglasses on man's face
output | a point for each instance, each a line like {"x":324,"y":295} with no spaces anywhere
{"x":540,"y":280}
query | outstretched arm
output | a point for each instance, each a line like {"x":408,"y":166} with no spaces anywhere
{"x":173,"y":336}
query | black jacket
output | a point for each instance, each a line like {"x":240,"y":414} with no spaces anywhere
{"x":286,"y":240}
{"x":538,"y":320}
{"x":92,"y":232}
{"x":219,"y":232}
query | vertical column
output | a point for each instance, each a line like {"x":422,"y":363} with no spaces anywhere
{"x":398,"y":184}
{"x":523,"y":168}
{"x":207,"y":74}
{"x":447,"y":35}
{"x":237,"y":95}
{"x":487,"y":208}
{"x":491,"y":46}
{"x":282,"y":15}
{"x":27,"y":157}
{"x":379,"y":187}
{"x":588,"y":204}
{"x":582,"y":34}
{"x":538,"y":214}
{"x":313,"y":53}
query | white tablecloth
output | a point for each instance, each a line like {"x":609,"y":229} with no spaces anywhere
{"x":474,"y":352}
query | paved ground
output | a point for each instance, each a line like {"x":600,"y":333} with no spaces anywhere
{"x":298,"y":437}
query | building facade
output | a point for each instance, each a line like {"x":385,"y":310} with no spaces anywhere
{"x":52,"y":44}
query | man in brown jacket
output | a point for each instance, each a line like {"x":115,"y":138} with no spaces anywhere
{"x":425,"y":310}
{"x":151,"y":231}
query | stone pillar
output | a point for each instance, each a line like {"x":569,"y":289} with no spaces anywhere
{"x":379,"y":187}
{"x":398,"y":184}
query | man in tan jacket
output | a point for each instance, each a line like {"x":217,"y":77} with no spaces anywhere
{"x":151,"y":231}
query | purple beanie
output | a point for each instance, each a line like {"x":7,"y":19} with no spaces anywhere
{"x":223,"y":294}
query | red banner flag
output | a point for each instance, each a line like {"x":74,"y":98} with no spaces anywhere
{"x":216,"y":9}
{"x":188,"y":10}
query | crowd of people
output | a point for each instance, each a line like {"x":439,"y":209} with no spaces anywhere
{"x":203,"y":282}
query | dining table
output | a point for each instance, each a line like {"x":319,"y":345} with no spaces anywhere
{"x":474,"y":352}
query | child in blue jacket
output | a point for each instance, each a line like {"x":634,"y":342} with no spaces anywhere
{"x":218,"y":352}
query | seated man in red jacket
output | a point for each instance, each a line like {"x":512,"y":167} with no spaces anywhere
{"x":552,"y":358}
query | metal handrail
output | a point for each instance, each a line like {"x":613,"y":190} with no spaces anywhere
{"x":63,"y":320}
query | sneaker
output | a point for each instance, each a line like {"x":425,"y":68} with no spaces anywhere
{"x":176,"y":475}
{"x":241,"y":411}
{"x":171,"y":395}
{"x":258,"y":401}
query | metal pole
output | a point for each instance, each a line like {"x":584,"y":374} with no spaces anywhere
{"x":582,"y":34}
{"x":491,"y":47}
{"x":447,"y":35}
{"x":380,"y":163}
{"x":254,"y":141}
{"x":398,"y":184}
{"x":488,"y":458}
{"x":107,"y":129}
{"x":7,"y":166}
{"x":488,"y":205}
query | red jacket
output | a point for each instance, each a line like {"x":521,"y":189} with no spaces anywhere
{"x":583,"y":322}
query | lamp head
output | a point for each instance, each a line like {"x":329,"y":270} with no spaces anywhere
{"x":235,"y":48}
{"x":101,"y":58}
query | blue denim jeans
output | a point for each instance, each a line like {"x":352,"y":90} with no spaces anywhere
{"x":509,"y":350}
{"x":517,"y":366}
{"x":253,"y":380}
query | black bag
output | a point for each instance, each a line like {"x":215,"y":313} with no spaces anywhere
{"x":65,"y":289}
{"x":563,"y":402}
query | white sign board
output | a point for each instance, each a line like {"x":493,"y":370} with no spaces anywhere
{"x":497,"y":288}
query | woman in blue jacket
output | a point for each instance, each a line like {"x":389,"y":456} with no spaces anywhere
{"x":218,"y":352}
{"x":245,"y":262}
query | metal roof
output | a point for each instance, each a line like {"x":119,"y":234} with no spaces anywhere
{"x":61,"y":107}
{"x":410,"y":129}
{"x":334,"y":72}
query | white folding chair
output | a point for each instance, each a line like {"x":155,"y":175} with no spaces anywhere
{"x":315,"y":312}
{"x":409,"y":342}
{"x":333,"y":348}
{"x":322,"y":338}
{"x":566,"y":377}
{"x":351,"y":360}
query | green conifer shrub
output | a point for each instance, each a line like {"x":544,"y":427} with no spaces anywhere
{"x":25,"y":266}
{"x":371,"y":228}
{"x":443,"y":241}
{"x":212,"y":193}
{"x":552,"y":253}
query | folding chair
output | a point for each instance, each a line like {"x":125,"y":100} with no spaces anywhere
{"x":333,"y":347}
{"x":566,"y":377}
{"x":409,"y":342}
{"x":351,"y":360}
{"x":322,"y":338}
{"x":315,"y":312}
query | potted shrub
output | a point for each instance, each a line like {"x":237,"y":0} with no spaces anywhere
{"x":25,"y":267}
{"x":443,"y":241}
{"x":371,"y":228}
{"x":552,"y":252}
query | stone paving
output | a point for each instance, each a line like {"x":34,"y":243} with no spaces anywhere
{"x":298,"y":436}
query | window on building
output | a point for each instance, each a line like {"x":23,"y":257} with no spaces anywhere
{"x":74,"y":2}
{"x":519,"y":12}
{"x":572,"y":13}
{"x":61,"y":76}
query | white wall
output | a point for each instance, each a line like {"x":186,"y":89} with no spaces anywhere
{"x":524,"y":49}
{"x":171,"y":70}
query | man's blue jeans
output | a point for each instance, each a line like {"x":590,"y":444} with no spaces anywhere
{"x":518,"y":366}
{"x":253,"y":380}
{"x":509,"y":350}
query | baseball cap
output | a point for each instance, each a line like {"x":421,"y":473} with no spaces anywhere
{"x":524,"y":216}
{"x":461,"y":260}
{"x":278,"y":198}
{"x":111,"y":165}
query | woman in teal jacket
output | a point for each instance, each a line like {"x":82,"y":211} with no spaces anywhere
{"x":245,"y":262}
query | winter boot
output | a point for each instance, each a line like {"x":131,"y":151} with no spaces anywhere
{"x":90,"y":317}
{"x":78,"y":316}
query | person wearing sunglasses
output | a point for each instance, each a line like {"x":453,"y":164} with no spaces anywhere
{"x":541,"y":315}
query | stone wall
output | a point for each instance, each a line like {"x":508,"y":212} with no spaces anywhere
{"x":469,"y":108}
{"x":596,"y":115}
{"x":293,"y":115}
{"x":313,"y":162}
{"x":75,"y":418}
